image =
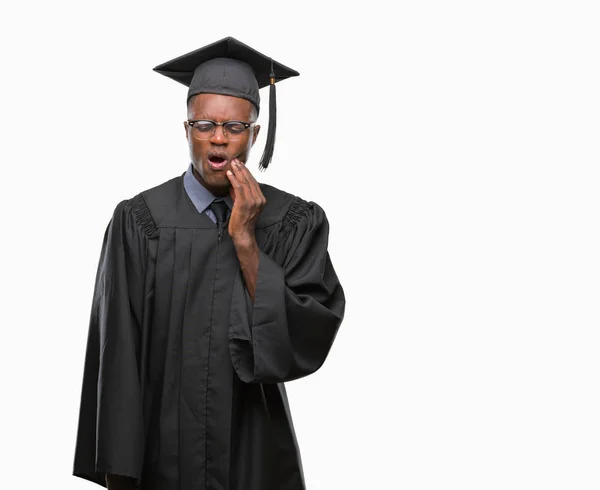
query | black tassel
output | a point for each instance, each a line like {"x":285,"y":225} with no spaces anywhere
{"x":270,"y":144}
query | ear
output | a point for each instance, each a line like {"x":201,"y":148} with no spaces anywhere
{"x":255,"y":133}
{"x":185,"y":127}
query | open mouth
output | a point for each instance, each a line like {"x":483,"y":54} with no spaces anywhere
{"x":217,"y":160}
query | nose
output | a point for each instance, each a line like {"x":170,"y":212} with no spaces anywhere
{"x":219,"y":137}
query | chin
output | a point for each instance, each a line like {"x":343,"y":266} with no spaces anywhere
{"x":217,"y":181}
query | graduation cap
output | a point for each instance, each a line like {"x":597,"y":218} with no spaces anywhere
{"x":230,"y":67}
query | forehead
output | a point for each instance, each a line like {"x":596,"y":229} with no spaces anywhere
{"x":219,"y":107}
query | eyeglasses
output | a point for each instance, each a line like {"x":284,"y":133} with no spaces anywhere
{"x":232,"y":130}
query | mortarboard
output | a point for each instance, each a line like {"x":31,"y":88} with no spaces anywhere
{"x":230,"y":67}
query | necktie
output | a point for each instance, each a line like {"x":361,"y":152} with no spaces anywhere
{"x":221,"y":210}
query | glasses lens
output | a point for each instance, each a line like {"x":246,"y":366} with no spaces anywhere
{"x":203,"y":130}
{"x":235,"y":130}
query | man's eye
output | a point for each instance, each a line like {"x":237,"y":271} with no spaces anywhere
{"x":235,"y":128}
{"x":204,"y":127}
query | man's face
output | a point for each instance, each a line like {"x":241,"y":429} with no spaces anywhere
{"x":208,"y":155}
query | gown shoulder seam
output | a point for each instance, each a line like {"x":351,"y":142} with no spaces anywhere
{"x":298,"y":209}
{"x":142,"y":215}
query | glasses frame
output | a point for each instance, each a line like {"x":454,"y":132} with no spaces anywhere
{"x":247,"y":125}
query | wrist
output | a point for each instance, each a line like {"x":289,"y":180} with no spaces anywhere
{"x":244,"y":241}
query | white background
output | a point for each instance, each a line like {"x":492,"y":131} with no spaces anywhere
{"x":454,"y":147}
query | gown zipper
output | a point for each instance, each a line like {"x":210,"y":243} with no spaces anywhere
{"x":220,"y":234}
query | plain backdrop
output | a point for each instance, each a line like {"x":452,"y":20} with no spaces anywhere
{"x":455,"y":149}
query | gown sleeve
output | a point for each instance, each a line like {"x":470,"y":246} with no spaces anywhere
{"x":298,"y":305}
{"x":110,"y":432}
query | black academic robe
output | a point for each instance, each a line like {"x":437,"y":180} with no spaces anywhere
{"x":183,"y":379}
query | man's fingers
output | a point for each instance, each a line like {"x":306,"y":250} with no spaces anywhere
{"x":245,"y":176}
{"x":233,"y":179}
{"x":246,"y":180}
{"x":242,"y":193}
{"x":240,"y":170}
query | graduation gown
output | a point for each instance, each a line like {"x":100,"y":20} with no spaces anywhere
{"x":183,"y":378}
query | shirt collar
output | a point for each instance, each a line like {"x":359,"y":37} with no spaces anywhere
{"x":200,"y":196}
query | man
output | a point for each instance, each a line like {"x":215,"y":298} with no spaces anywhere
{"x":212,"y":291}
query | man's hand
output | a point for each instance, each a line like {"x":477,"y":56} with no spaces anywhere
{"x":248,"y":202}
